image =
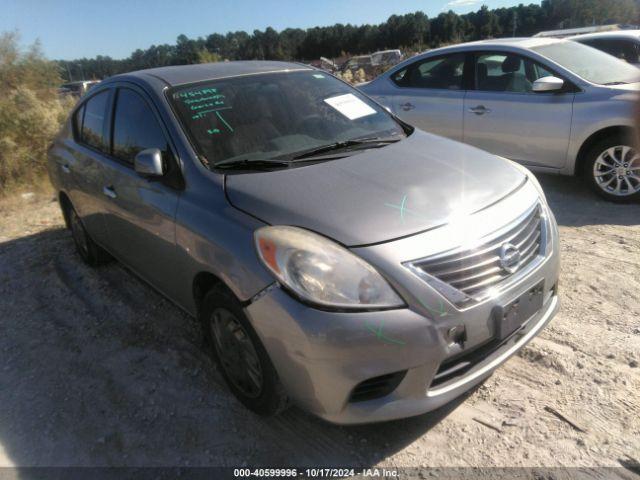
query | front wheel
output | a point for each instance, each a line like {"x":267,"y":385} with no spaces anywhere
{"x":613,"y":170}
{"x":243,"y":361}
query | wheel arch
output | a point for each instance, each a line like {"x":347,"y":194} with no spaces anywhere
{"x":593,"y":139}
{"x":202,"y":283}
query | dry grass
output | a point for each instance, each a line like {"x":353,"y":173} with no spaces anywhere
{"x":34,"y":185}
{"x":31,"y":112}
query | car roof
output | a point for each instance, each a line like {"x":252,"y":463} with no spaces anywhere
{"x":608,"y":34}
{"x":517,"y":42}
{"x":181,"y":74}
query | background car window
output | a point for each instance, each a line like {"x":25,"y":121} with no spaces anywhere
{"x":541,"y":72}
{"x":499,"y":72}
{"x":439,"y":73}
{"x":626,"y":50}
{"x":135,"y":127}
{"x":92,"y":132}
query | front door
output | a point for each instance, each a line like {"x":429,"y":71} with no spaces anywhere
{"x":141,"y":217}
{"x":504,"y":116}
{"x":430,"y":95}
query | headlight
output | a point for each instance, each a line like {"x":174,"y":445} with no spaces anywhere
{"x":321,"y":271}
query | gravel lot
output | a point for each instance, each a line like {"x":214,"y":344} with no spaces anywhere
{"x":98,"y":369}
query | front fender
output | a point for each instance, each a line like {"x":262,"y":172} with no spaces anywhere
{"x":214,"y":237}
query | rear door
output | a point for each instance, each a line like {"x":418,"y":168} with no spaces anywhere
{"x":87,"y":166}
{"x":141,"y":219}
{"x":429,"y":94}
{"x":502,"y":114}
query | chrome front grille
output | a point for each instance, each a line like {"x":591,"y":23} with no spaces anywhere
{"x":472,"y":274}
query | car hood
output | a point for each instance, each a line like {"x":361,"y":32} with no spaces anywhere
{"x":377,"y":195}
{"x":626,"y":87}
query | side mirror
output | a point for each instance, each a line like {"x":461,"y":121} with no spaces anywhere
{"x":148,"y":163}
{"x":548,"y":84}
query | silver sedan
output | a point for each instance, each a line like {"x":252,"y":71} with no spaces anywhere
{"x":553,"y":105}
{"x":335,"y":257}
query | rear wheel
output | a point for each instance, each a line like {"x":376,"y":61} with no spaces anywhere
{"x":89,"y":251}
{"x":613,"y":169}
{"x":243,"y":361}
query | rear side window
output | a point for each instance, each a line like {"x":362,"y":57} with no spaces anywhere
{"x":135,"y":127}
{"x":436,"y":73}
{"x":93,"y":121}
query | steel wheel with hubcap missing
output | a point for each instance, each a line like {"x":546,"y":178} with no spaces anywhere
{"x":617,"y":171}
{"x":236,"y":352}
{"x":236,"y":348}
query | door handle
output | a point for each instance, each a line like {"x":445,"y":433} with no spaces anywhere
{"x":480,"y":110}
{"x":109,"y":192}
{"x":65,"y":168}
{"x":407,"y":106}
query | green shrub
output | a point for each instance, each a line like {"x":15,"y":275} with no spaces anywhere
{"x":30,"y":111}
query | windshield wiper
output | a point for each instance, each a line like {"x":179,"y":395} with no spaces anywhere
{"x":356,"y":142}
{"x":286,"y":161}
{"x":617,"y":83}
{"x":247,"y":163}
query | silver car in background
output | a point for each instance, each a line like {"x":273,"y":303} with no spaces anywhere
{"x":336,"y":257}
{"x":553,"y":105}
{"x":622,"y":44}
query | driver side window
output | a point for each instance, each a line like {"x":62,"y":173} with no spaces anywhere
{"x":507,"y":72}
{"x":135,"y":127}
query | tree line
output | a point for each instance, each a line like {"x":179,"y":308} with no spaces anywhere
{"x":412,"y":31}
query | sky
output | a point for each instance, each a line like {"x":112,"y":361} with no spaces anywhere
{"x":73,"y":29}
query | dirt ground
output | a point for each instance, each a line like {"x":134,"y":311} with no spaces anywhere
{"x":98,"y":369}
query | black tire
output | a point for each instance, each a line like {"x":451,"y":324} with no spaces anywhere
{"x":90,"y":252}
{"x":270,"y":398}
{"x":608,"y":191}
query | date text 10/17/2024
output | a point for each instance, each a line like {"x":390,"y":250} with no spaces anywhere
{"x":314,"y":472}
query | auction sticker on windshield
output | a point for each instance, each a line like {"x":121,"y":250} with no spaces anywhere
{"x":350,"y":106}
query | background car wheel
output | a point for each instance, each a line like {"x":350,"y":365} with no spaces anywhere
{"x":88,"y":250}
{"x":613,"y":169}
{"x":243,"y":361}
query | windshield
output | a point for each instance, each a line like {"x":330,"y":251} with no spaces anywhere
{"x":277,"y":115}
{"x":593,"y":65}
